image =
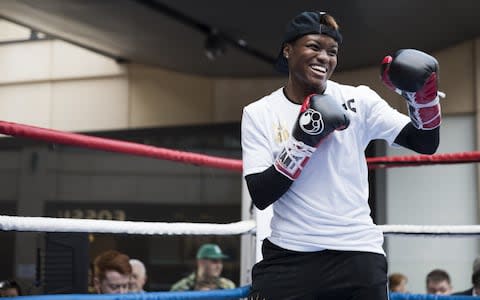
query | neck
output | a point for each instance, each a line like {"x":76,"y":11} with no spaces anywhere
{"x":297,"y":93}
{"x":203,"y":277}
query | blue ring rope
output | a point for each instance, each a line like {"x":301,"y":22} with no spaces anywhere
{"x":237,"y":293}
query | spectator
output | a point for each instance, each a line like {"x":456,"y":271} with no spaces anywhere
{"x":438,"y":283}
{"x":10,"y":288}
{"x":207,"y":274}
{"x":475,"y":289}
{"x":139,"y":276}
{"x":112,"y":273}
{"x":397,"y":283}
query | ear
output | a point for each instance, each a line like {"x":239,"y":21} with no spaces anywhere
{"x":96,"y":285}
{"x":287,"y":50}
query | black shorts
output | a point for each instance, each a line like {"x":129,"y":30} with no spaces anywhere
{"x":322,"y":275}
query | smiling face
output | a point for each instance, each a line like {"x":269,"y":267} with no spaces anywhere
{"x":311,"y":61}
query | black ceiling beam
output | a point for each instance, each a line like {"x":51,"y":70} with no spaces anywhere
{"x":206,"y":29}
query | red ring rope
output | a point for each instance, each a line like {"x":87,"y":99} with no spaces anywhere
{"x":81,"y":140}
{"x":74,"y":139}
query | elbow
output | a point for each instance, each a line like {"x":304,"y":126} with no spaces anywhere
{"x":260,"y":204}
{"x":427,"y":142}
{"x":429,"y":148}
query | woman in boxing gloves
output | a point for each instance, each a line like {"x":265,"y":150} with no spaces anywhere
{"x":303,"y":154}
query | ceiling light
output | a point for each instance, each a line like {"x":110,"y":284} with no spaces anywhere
{"x":215,"y":45}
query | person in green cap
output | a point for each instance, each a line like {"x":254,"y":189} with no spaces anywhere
{"x":207,"y":274}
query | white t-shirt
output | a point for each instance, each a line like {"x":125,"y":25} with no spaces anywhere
{"x":326,"y":207}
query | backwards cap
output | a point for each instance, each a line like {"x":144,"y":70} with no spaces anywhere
{"x":308,"y":22}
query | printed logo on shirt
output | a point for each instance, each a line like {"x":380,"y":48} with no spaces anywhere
{"x":280,"y":132}
{"x":350,"y":105}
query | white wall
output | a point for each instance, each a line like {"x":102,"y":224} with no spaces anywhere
{"x":434,"y":195}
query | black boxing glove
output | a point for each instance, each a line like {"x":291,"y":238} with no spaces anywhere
{"x":319,"y":116}
{"x":414,"y":75}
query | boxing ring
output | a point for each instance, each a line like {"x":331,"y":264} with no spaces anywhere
{"x":246,"y":228}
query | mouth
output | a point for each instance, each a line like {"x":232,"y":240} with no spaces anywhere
{"x":318,"y":69}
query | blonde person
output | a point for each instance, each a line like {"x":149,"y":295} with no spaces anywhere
{"x":139,"y":276}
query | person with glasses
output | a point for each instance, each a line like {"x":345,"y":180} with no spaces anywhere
{"x":304,"y":159}
{"x":10,"y":288}
{"x":207,"y":274}
{"x":112,"y":272}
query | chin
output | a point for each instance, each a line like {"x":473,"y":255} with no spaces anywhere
{"x":317,"y":83}
{"x":317,"y":88}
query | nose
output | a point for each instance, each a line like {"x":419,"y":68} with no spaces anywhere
{"x":322,"y":55}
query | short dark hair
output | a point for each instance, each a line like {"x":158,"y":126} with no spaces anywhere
{"x":438,"y":275}
{"x":476,"y":279}
{"x":10,"y":284}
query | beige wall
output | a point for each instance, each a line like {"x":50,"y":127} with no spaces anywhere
{"x":61,"y":86}
{"x":72,"y":89}
{"x":456,"y":80}
{"x":162,"y":98}
{"x":10,"y":31}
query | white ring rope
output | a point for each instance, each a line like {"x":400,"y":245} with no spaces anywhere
{"x":435,"y":230}
{"x":48,"y":224}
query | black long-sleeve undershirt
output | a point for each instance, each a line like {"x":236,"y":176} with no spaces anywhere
{"x":420,"y":141}
{"x":268,"y":186}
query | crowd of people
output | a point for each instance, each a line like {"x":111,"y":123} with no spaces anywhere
{"x":438,"y":282}
{"x":114,"y":272}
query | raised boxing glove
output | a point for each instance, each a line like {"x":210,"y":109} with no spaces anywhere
{"x":414,"y":75}
{"x":319,"y":116}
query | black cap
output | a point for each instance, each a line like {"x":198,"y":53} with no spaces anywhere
{"x":308,"y":22}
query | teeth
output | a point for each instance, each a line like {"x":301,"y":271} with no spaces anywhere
{"x":319,"y":68}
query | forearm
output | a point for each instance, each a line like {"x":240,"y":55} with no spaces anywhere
{"x":418,"y":140}
{"x":267,"y":187}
